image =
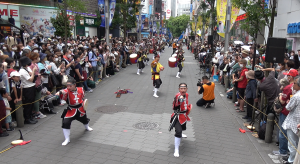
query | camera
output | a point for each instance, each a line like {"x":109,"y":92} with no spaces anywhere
{"x":199,"y":84}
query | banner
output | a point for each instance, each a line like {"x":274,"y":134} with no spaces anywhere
{"x":112,"y":6}
{"x":150,"y":25}
{"x":102,"y":12}
{"x":234,"y":14}
{"x":221,"y":16}
{"x":143,"y":21}
{"x":101,"y":8}
{"x":199,"y":32}
{"x":154,"y":27}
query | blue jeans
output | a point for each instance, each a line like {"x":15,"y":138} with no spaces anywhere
{"x":283,"y":142}
{"x":121,"y":61}
{"x":294,"y":139}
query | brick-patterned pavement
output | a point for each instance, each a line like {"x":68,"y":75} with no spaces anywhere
{"x":213,"y":135}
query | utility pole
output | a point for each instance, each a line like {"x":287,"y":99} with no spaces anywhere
{"x":107,"y":18}
{"x":140,"y":22}
{"x":228,"y":24}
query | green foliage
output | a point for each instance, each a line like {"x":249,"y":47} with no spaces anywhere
{"x":59,"y":25}
{"x":124,"y":18}
{"x":62,"y":17}
{"x":257,"y":16}
{"x":178,"y":24}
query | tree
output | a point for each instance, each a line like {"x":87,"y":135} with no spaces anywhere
{"x":125,"y":15}
{"x":61,"y":22}
{"x":177,"y":24}
{"x":258,"y":16}
{"x":210,"y":4}
{"x":59,"y":25}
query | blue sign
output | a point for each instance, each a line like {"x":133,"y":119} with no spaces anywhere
{"x":293,"y":28}
{"x":267,"y":4}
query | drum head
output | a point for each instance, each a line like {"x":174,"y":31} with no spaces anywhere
{"x":171,"y":59}
{"x":85,"y":104}
{"x":133,"y":55}
{"x":16,"y":142}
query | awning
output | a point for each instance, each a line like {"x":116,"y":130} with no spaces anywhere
{"x":6,"y":23}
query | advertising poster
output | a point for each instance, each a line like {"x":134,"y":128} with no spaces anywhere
{"x":221,"y":15}
{"x":37,"y":20}
{"x":102,"y":12}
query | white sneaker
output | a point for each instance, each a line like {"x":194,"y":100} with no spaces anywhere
{"x":142,"y":71}
{"x":183,"y":136}
{"x":177,"y":76}
{"x":41,"y":115}
{"x":138,"y":73}
{"x":91,"y":91}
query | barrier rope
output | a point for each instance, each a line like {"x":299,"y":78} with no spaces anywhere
{"x":38,"y":100}
{"x":275,"y":123}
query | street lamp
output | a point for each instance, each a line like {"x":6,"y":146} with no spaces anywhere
{"x":140,"y":22}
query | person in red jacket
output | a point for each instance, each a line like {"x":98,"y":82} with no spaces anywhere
{"x":75,"y":111}
{"x":181,"y":108}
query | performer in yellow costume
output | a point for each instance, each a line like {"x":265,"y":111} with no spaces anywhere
{"x":156,"y":67}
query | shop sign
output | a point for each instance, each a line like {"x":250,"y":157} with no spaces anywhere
{"x":293,"y":28}
{"x":7,"y":10}
{"x":89,"y":21}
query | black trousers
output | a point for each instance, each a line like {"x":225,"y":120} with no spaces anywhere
{"x":179,"y":128}
{"x":180,"y":67}
{"x":141,"y":64}
{"x":29,"y":97}
{"x":66,"y":122}
{"x":157,"y":83}
{"x":249,"y":108}
{"x":174,"y":49}
{"x":202,"y":102}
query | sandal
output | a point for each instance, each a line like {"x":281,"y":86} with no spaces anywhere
{"x":240,"y":110}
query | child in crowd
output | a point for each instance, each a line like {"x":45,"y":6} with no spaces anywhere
{"x":4,"y":95}
{"x":16,"y":90}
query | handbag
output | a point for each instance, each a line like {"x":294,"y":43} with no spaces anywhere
{"x":84,"y":74}
{"x":64,"y":79}
{"x":277,"y":105}
{"x":54,"y":80}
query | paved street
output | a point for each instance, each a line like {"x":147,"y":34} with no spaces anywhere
{"x":119,"y":137}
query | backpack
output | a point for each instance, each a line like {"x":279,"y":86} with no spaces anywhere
{"x":88,"y":57}
{"x":262,"y":131}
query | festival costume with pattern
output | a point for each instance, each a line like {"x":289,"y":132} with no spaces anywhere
{"x":140,"y":62}
{"x":156,"y":67}
{"x":180,"y":59}
{"x":181,"y":109}
{"x":74,"y":111}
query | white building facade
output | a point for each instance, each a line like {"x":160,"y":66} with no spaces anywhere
{"x":287,"y":23}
